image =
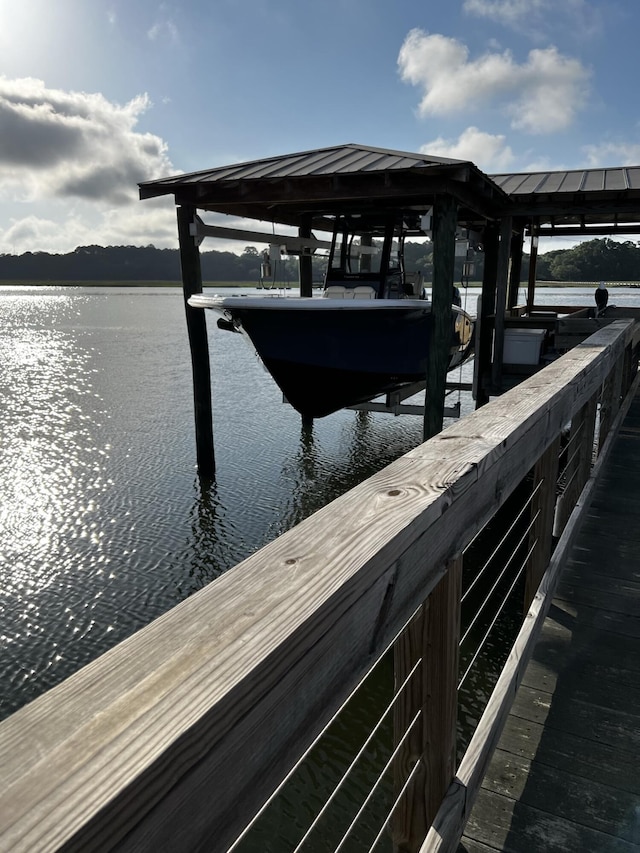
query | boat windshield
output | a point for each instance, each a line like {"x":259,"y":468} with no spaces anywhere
{"x":360,"y":259}
{"x":356,"y":254}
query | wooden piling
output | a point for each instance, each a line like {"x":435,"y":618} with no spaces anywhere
{"x":304,"y":261}
{"x":198,"y":343}
{"x":502,"y":276}
{"x":445,"y":221}
{"x":533,"y":261}
{"x":516,"y":267}
{"x":487,"y":310}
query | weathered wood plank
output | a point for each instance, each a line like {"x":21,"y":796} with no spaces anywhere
{"x":579,"y":594}
{"x":576,"y":639}
{"x":569,"y":752}
{"x":619,"y":729}
{"x":595,"y":617}
{"x":619,"y":553}
{"x":584,"y":801}
{"x":608,"y":686}
{"x":622,"y":580}
{"x":515,"y":828}
{"x":470,"y":845}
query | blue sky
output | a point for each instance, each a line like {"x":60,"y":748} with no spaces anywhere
{"x":96,"y":96}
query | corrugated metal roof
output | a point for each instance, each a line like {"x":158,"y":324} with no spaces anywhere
{"x":324,"y":182}
{"x":616,"y":179}
{"x":346,"y":178}
{"x":336,"y":160}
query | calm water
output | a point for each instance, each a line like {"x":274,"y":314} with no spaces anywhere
{"x":104,"y":523}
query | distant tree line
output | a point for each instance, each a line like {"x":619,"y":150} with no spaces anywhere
{"x":600,"y":259}
{"x":594,"y":260}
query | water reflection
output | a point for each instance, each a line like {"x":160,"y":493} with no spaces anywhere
{"x":317,"y":473}
{"x":212,"y":545}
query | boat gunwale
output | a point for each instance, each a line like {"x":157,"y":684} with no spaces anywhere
{"x":301,"y":303}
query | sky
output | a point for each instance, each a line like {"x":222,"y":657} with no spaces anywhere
{"x":98,"y":95}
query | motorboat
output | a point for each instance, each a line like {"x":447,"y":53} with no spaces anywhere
{"x":367,"y":334}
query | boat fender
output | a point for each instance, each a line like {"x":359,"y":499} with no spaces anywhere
{"x":227,"y":325}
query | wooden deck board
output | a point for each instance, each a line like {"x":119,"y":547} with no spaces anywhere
{"x":512,"y":827}
{"x":571,"y":753}
{"x":565,"y":775}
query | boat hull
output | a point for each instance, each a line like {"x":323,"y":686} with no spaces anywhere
{"x":326,"y":355}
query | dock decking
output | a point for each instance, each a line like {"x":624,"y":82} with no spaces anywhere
{"x":566,"y":776}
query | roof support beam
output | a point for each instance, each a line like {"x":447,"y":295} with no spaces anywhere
{"x":197,"y":228}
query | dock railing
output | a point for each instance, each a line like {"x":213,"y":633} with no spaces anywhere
{"x":175,"y":738}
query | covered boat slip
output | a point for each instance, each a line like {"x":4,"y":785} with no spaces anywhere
{"x":374,"y":191}
{"x":308,"y":191}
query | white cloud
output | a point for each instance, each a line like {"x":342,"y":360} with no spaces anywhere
{"x":164,"y":27}
{"x":612,"y":154}
{"x":63,"y":145}
{"x":538,"y":18}
{"x":487,"y":151}
{"x":152,"y":221}
{"x":541,"y":95}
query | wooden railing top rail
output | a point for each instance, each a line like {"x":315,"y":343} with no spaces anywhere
{"x":159,"y":742}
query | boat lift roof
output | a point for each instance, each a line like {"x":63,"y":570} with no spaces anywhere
{"x":323,"y":183}
{"x":311,"y":187}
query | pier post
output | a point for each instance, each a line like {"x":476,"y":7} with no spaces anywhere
{"x":502,"y":279}
{"x":198,"y":342}
{"x":487,"y":310}
{"x":516,"y":267}
{"x":305,"y":265}
{"x":545,"y":475}
{"x":533,"y":262}
{"x":610,"y":401}
{"x":578,"y":467}
{"x":445,"y":221}
{"x":432,"y":637}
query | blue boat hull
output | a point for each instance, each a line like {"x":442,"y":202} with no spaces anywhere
{"x":324,"y":360}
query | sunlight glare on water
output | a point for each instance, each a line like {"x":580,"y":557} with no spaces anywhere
{"x":105,"y":524}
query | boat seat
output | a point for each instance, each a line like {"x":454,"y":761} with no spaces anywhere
{"x":364,"y":291}
{"x":338,"y":291}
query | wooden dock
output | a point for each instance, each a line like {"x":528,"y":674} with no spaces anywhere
{"x":175,"y":739}
{"x":565,"y":774}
